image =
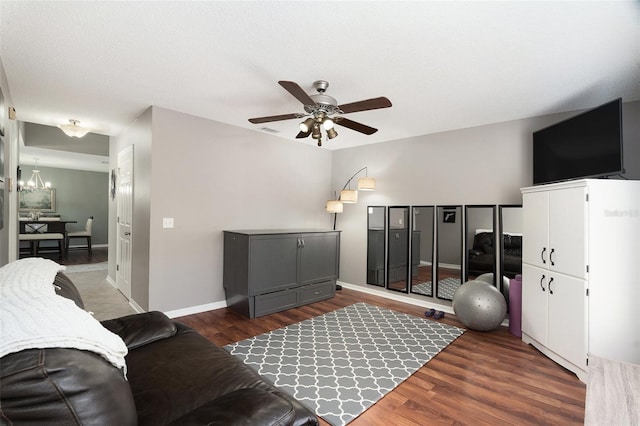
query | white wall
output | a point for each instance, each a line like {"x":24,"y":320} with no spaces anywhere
{"x":209,"y":177}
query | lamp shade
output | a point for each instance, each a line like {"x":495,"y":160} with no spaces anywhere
{"x":334,"y":206}
{"x":305,"y":126}
{"x":349,"y":196}
{"x":367,"y":184}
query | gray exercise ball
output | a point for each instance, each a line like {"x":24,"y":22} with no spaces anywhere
{"x":488,"y":278}
{"x":479,"y":305}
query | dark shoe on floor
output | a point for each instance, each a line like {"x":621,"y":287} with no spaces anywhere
{"x":429,"y":312}
{"x":438,"y":315}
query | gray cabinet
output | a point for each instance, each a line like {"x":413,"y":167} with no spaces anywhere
{"x":267,"y":271}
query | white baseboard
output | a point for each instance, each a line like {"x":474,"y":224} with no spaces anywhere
{"x":85,"y":246}
{"x":135,"y":306}
{"x":407,"y":299}
{"x":196,"y":309}
{"x":398,"y":297}
{"x":112,"y":282}
{"x":132,"y":302}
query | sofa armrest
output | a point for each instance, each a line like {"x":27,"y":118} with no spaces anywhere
{"x":249,"y":406}
{"x":66,"y":288}
{"x":140,"y":329}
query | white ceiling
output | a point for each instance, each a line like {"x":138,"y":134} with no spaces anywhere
{"x":443,"y":65}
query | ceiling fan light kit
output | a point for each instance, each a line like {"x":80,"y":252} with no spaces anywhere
{"x":320,"y":110}
{"x":73,"y":129}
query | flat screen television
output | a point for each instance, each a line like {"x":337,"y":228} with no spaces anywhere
{"x":584,"y":146}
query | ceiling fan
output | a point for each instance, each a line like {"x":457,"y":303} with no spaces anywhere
{"x":320,"y":110}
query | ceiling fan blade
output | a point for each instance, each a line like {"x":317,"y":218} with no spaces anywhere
{"x":366,"y":105}
{"x":354,"y":125}
{"x":274,"y":118}
{"x":297,"y":92}
{"x":303,"y":135}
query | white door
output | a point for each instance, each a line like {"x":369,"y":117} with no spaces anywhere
{"x":125,"y":212}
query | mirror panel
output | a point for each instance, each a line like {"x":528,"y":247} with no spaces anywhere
{"x":398,"y":246}
{"x":422,"y":250}
{"x":511,"y":244}
{"x":376,"y":220}
{"x":449,"y":251}
{"x":480,"y":238}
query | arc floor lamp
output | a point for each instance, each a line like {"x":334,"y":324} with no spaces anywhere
{"x":350,"y":196}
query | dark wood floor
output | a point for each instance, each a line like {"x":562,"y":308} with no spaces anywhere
{"x":76,"y":256}
{"x":482,"y":378}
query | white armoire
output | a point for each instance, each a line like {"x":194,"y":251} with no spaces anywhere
{"x":581,"y":271}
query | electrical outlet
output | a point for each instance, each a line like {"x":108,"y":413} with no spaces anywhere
{"x":167,"y":222}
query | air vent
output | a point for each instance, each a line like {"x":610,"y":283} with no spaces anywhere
{"x":266,"y":129}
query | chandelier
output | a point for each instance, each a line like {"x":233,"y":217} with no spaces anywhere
{"x":35,"y":181}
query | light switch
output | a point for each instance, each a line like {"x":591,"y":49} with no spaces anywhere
{"x":167,"y":222}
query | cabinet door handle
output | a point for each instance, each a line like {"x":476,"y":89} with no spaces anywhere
{"x":541,"y":280}
{"x":301,"y":242}
{"x":551,"y":257}
{"x":549,"y":285}
{"x":542,"y":255}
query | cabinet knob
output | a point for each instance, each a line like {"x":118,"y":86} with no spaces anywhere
{"x":551,"y":257}
{"x":541,"y":280}
{"x":549,"y":285}
{"x":544,"y":249}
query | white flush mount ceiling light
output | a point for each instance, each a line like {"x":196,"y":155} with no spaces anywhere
{"x":73,"y":129}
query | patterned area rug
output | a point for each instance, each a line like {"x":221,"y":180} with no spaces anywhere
{"x":340,"y":363}
{"x":447,"y":287}
{"x":422,"y":288}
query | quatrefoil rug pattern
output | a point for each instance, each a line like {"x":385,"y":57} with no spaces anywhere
{"x":340,"y":363}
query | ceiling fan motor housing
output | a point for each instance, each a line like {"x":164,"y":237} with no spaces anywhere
{"x":324,"y":103}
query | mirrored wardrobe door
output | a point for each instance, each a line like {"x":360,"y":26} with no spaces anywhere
{"x":398,"y":246}
{"x":480,"y":237}
{"x":376,"y":221}
{"x":422,"y":250}
{"x":449,"y":251}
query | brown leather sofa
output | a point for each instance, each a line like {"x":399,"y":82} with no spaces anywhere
{"x":174,"y":376}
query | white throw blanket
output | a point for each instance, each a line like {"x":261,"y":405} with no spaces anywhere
{"x":33,"y":316}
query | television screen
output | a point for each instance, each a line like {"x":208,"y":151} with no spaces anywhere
{"x":587,"y":145}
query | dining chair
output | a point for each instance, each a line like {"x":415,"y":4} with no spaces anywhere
{"x":82,"y":234}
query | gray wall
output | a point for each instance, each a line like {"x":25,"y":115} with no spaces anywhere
{"x":481,"y":165}
{"x":79,"y":194}
{"x":209,"y":177}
